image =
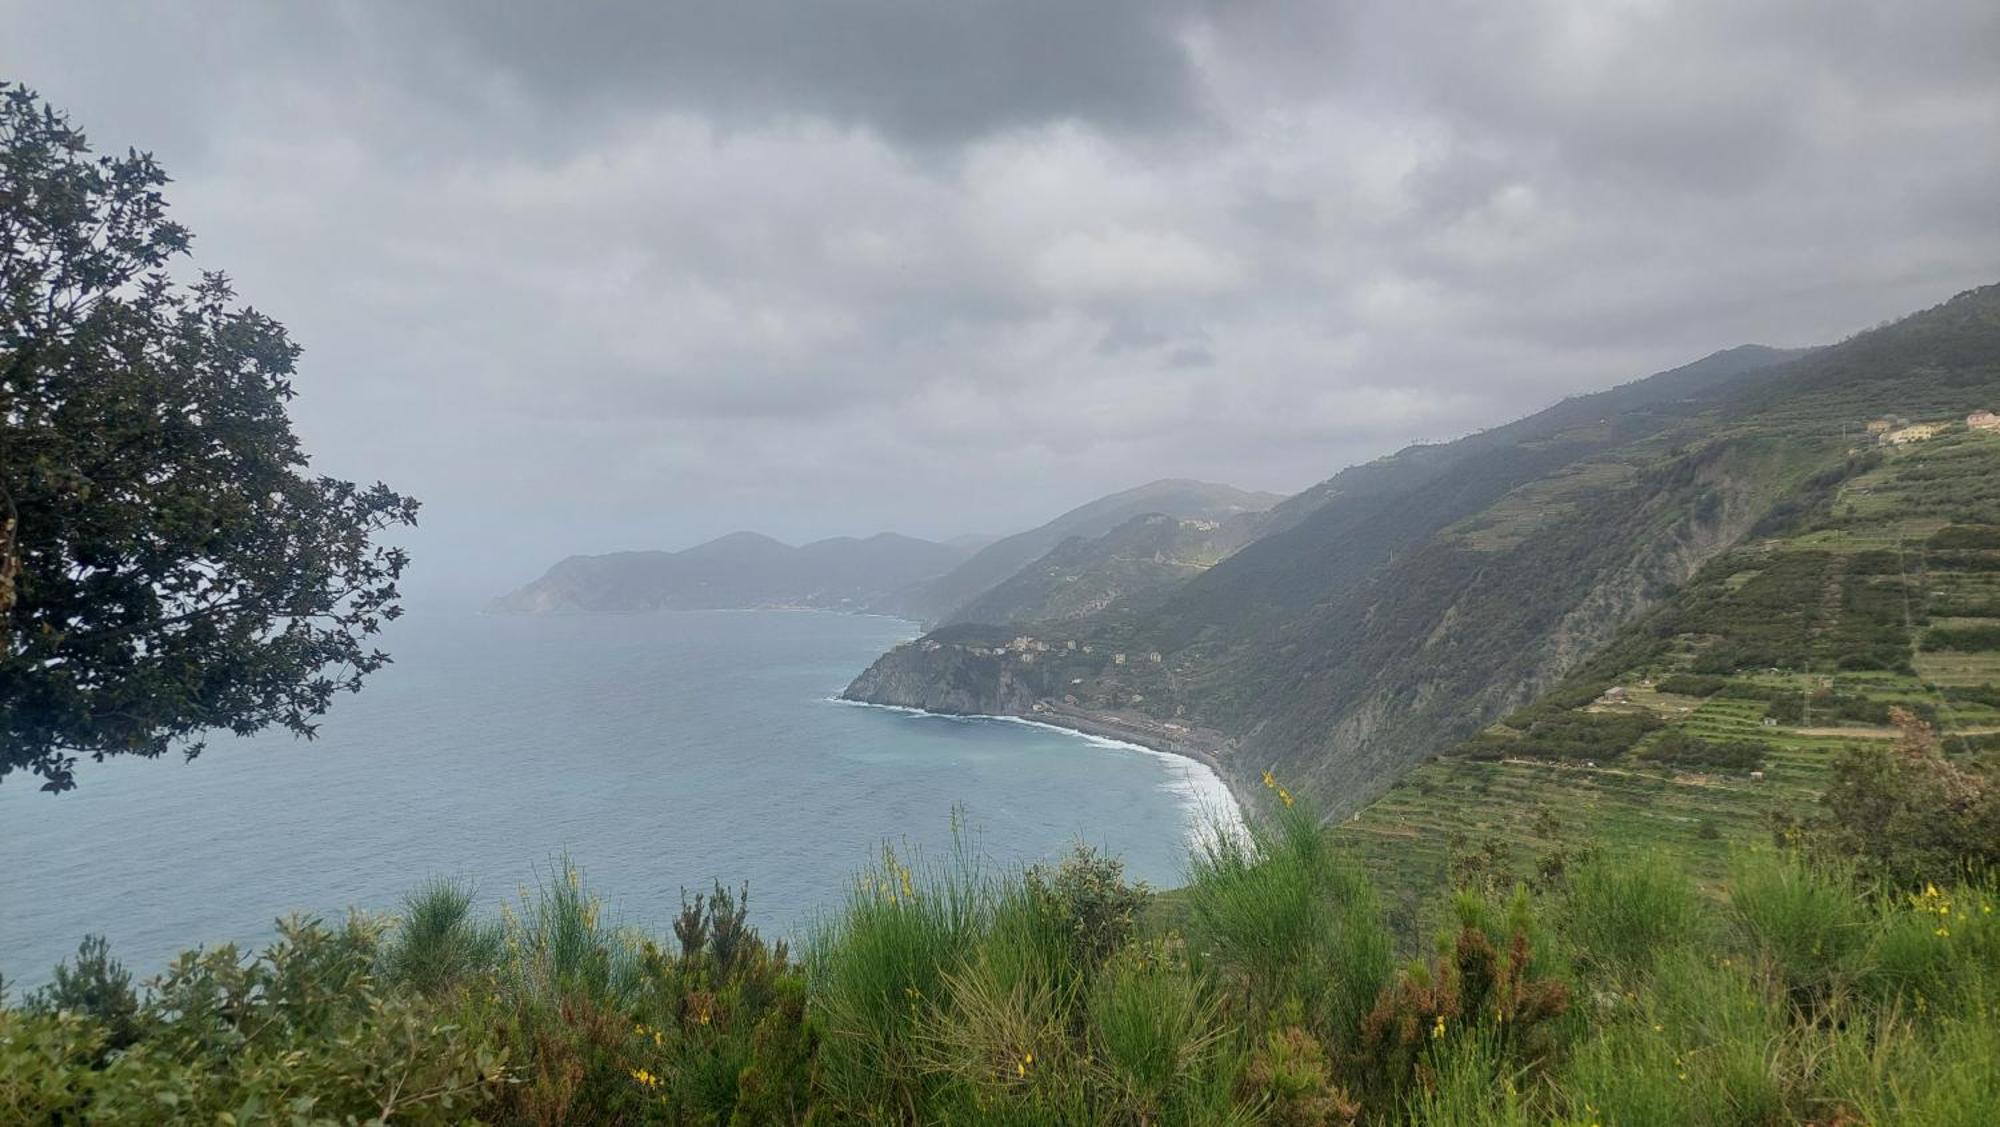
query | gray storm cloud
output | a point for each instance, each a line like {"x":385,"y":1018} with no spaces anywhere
{"x":590,"y":276}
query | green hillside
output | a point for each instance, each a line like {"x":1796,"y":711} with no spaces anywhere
{"x":1421,"y":599}
{"x":1145,"y":556}
{"x":939,"y":599}
{"x":1714,"y":719}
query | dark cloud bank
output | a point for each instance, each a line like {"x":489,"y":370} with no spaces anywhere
{"x":591,"y":276}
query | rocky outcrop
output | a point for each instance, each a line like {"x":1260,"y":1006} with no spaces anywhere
{"x":957,"y":680}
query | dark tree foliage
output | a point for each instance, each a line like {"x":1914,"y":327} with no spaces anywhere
{"x":1570,"y":736}
{"x":1964,"y":536}
{"x":1682,"y":750}
{"x":1909,"y":814}
{"x":1969,"y":639}
{"x":1693,"y":684}
{"x":167,"y":565}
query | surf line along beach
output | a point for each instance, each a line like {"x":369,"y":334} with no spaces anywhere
{"x":1211,"y":806}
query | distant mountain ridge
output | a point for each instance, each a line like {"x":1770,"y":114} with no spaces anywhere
{"x":738,"y":571}
{"x":883,"y":574}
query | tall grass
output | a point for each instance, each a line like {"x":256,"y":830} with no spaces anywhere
{"x":1156,"y":1038}
{"x":1290,"y":923}
{"x":439,"y":942}
{"x":1621,"y":912}
{"x":1805,"y":919}
{"x":881,"y":966}
{"x":954,"y":992}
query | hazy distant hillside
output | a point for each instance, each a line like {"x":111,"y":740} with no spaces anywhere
{"x":740,"y":570}
{"x":1421,"y":596}
{"x":1188,"y":500}
{"x":1145,"y":556}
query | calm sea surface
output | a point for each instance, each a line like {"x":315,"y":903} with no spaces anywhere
{"x":656,"y":751}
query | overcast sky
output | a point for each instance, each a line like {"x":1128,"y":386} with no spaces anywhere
{"x":595,"y":276}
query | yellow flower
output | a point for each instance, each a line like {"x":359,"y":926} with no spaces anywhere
{"x":645,"y":1078}
{"x":1270,"y":782}
{"x":1285,"y":796}
{"x":1437,"y":1030}
{"x":908,"y":891}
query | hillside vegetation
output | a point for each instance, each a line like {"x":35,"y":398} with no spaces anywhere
{"x":1419,"y":599}
{"x":1716,"y":719}
{"x":941,"y":599}
{"x":1273,"y":989}
{"x":1147,"y":555}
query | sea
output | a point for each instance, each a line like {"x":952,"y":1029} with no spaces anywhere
{"x":657,"y":753}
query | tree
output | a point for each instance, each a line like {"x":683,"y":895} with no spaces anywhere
{"x":167,"y":565}
{"x":1907,"y":813}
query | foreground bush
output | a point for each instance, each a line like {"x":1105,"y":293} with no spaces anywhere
{"x":1803,"y":991}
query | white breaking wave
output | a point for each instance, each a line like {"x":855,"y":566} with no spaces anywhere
{"x":1207,"y":801}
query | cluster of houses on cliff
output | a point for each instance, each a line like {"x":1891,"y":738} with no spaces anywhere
{"x":1896,"y":431}
{"x":1025,"y":649}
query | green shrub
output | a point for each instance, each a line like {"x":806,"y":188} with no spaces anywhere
{"x":1291,"y":1078}
{"x":1788,"y":709}
{"x":1804,"y":919}
{"x":1584,"y":735}
{"x":1890,"y":1068}
{"x":1692,"y":685}
{"x":880,"y":966}
{"x":1907,"y":814}
{"x":1678,"y":749}
{"x":96,"y":986}
{"x":438,"y":944}
{"x":1156,"y":1037}
{"x":1484,"y":984}
{"x":301,"y":1030}
{"x":955,"y":994}
{"x":1959,"y":536}
{"x":1704,"y":1045}
{"x":1625,"y":912}
{"x":1087,"y":895}
{"x":1289,"y":920}
{"x":1966,"y":639}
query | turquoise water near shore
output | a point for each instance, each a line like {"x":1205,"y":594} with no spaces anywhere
{"x":656,"y":751}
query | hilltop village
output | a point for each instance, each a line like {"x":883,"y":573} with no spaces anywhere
{"x":1898,"y":431}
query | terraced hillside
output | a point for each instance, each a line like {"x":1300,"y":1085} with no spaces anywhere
{"x":1715,"y":718}
{"x":1421,"y":599}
